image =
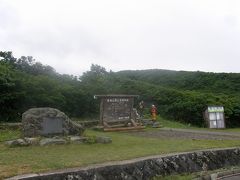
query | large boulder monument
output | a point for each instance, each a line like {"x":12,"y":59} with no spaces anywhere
{"x":48,"y":122}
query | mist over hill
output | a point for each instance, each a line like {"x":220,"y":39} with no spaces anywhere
{"x":179,"y":95}
{"x":188,"y":80}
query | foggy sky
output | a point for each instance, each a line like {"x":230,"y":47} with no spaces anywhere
{"x":70,"y":35}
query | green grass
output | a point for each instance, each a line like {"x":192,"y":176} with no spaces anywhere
{"x":9,"y":134}
{"x":20,"y":160}
{"x":172,"y":124}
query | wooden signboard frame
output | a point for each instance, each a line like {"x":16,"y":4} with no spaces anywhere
{"x":116,"y":112}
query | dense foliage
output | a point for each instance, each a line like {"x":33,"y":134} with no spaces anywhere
{"x":186,"y":80}
{"x":183,"y":95}
{"x":179,"y":95}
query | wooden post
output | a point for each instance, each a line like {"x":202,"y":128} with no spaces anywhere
{"x":101,"y":111}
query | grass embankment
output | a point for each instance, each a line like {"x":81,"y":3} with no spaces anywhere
{"x":21,"y":160}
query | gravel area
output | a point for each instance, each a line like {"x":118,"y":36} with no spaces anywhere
{"x":186,"y":134}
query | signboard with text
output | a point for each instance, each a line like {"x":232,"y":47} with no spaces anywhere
{"x":116,"y":108}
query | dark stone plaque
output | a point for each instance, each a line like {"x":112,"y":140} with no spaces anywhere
{"x":52,"y":126}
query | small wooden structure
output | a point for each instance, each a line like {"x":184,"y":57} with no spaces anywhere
{"x":117,"y":113}
{"x":214,"y":117}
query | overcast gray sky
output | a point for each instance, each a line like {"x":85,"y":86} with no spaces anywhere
{"x":70,"y":35}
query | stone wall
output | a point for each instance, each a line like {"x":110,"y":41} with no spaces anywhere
{"x":146,"y":168}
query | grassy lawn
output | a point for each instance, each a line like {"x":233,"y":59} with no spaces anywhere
{"x":172,"y":124}
{"x":21,"y":160}
{"x":9,"y":134}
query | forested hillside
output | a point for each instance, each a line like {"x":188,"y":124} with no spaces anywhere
{"x":181,"y":96}
{"x":228,"y":83}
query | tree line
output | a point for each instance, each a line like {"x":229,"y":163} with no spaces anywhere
{"x":179,"y":95}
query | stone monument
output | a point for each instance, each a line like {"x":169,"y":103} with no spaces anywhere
{"x":48,"y":122}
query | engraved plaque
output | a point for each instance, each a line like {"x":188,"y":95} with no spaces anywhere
{"x":52,"y":126}
{"x":117,"y":109}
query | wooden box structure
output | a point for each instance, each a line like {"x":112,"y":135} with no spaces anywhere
{"x":214,"y":117}
{"x":116,"y":112}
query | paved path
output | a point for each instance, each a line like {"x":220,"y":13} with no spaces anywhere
{"x":203,"y":131}
{"x":172,"y":133}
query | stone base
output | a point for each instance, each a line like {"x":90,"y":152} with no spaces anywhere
{"x":57,"y":140}
{"x":52,"y":141}
{"x":149,"y":122}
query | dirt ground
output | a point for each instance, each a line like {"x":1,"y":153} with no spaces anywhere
{"x":186,"y":134}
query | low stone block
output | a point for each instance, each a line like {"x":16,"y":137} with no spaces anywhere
{"x":147,"y":122}
{"x":16,"y":142}
{"x":103,"y":139}
{"x":52,"y":141}
{"x":156,"y":125}
{"x":32,"y":141}
{"x":78,"y":139}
